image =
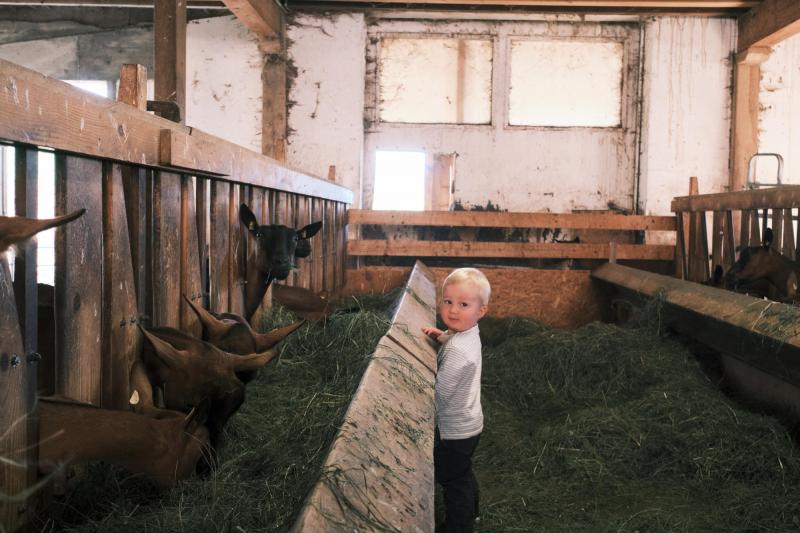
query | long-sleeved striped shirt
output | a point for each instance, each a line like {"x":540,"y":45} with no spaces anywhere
{"x":458,"y":385}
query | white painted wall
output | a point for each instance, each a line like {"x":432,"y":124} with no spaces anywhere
{"x":326,"y":113}
{"x":779,"y":120}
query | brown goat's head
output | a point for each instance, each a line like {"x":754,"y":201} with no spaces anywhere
{"x":276,"y":245}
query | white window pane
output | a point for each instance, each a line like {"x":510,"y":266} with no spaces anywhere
{"x":565,"y":83}
{"x":399,"y":181}
{"x":45,"y":259}
{"x":98,"y":87}
{"x":435,"y":80}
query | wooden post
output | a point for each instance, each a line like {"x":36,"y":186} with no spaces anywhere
{"x":274,"y":106}
{"x":169,"y":29}
{"x":332,"y":173}
{"x":133,"y":86}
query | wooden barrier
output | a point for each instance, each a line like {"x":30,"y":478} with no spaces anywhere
{"x":379,"y":472}
{"x":162,"y":203}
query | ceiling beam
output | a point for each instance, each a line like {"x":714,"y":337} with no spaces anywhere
{"x":572,"y":4}
{"x":191,"y":4}
{"x":769,"y":23}
{"x":262,"y":17}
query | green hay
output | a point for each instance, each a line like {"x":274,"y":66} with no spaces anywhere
{"x":274,"y":446}
{"x":606,"y":428}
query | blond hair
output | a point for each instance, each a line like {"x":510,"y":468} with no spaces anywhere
{"x":473,"y":276}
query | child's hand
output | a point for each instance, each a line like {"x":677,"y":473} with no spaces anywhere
{"x":432,"y":332}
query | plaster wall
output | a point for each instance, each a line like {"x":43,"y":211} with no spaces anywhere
{"x":326,"y":58}
{"x":779,"y":119}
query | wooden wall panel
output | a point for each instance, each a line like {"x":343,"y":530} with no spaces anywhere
{"x":329,"y":243}
{"x":202,"y":197}
{"x":303,"y":278}
{"x":121,"y":336}
{"x":317,"y":249}
{"x":79,"y":269}
{"x":14,"y":382}
{"x":219,"y":252}
{"x":341,"y":236}
{"x":134,"y":183}
{"x":236,"y":270}
{"x":166,"y":249}
{"x":191,"y":280}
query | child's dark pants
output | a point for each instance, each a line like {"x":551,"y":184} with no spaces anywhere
{"x":452,"y":464}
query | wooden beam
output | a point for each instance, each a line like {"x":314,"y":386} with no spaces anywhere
{"x":262,"y":17}
{"x":713,"y":6}
{"x":784,"y":197}
{"x":769,"y":23}
{"x":503,"y":219}
{"x":46,"y":112}
{"x":169,"y":29}
{"x":273,"y":140}
{"x":133,"y":86}
{"x":532,"y":250}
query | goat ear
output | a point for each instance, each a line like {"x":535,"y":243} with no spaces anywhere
{"x":309,"y":231}
{"x":247,"y":218}
{"x":167,"y":353}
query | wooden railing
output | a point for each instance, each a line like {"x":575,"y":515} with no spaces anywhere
{"x":161,"y":221}
{"x":737,"y":219}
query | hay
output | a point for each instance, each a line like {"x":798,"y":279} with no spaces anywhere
{"x":606,"y":428}
{"x":274,"y":446}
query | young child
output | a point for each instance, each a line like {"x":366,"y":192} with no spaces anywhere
{"x":459,"y":417}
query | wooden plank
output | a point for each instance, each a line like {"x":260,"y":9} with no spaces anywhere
{"x":303,"y":278}
{"x":692,"y":263}
{"x":777,"y":230}
{"x":219,"y":248}
{"x":202,"y":197}
{"x":341,"y":233}
{"x":746,"y":80}
{"x":744,"y":237}
{"x":717,"y":230}
{"x":48,"y":112}
{"x":169,"y":28}
{"x":729,"y":251}
{"x":79,"y":270}
{"x":768,"y":23}
{"x":755,"y":229}
{"x":121,"y":336}
{"x":14,"y":387}
{"x":698,"y":7}
{"x":788,"y":234}
{"x":273,"y":109}
{"x":416,"y":310}
{"x":494,"y":219}
{"x":134,"y":183}
{"x":167,"y":249}
{"x":406,"y":248}
{"x":317,"y":249}
{"x":133,"y":86}
{"x":681,"y":268}
{"x":237,"y":273}
{"x":786,"y":196}
{"x":190,"y":277}
{"x":264,"y":19}
{"x":329,"y":243}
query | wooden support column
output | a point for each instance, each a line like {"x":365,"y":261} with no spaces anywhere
{"x":133,"y":86}
{"x":273,"y":141}
{"x":745,"y":112}
{"x":170,"y":52}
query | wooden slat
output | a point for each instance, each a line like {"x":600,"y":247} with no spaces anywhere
{"x":13,"y":398}
{"x":755,"y":229}
{"x":410,"y":248}
{"x":768,"y":23}
{"x":169,"y":28}
{"x":236,"y":269}
{"x":329,"y":242}
{"x":191,"y":280}
{"x":166,"y":249}
{"x":777,"y":230}
{"x":717,"y":230}
{"x":729,"y":247}
{"x":303,"y":278}
{"x":492,"y":219}
{"x":694,"y":219}
{"x":788,"y":234}
{"x":744,"y":238}
{"x":47,"y":112}
{"x":219,"y":260}
{"x":681,"y":268}
{"x":79,"y":270}
{"x":134,"y":183}
{"x":317,"y":249}
{"x":133,"y":86}
{"x":121,"y":336}
{"x":782,"y":197}
{"x":341,"y":236}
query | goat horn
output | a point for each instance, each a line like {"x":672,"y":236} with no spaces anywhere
{"x":243,"y":363}
{"x":16,"y":229}
{"x":265,"y":341}
{"x":216,"y":328}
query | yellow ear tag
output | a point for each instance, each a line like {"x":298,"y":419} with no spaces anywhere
{"x":134,"y":398}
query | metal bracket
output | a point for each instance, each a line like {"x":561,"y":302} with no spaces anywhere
{"x":751,"y":183}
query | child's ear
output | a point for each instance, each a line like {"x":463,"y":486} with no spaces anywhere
{"x":482,"y":311}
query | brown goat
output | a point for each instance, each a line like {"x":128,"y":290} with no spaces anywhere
{"x":14,"y":230}
{"x":165,"y":450}
{"x":272,"y":255}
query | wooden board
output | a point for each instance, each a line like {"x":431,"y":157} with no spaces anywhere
{"x":79,"y":271}
{"x":134,"y":183}
{"x":191,"y":280}
{"x":609,"y":221}
{"x":412,"y":248}
{"x":317,"y":247}
{"x":559,"y":298}
{"x":783,"y":197}
{"x":236,"y":269}
{"x":416,"y":310}
{"x":329,"y":243}
{"x":13,"y":391}
{"x":219,"y":252}
{"x":121,"y":336}
{"x":167,"y":250}
{"x":47,"y":112}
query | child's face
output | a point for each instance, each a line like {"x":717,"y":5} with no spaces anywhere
{"x":461,"y":306}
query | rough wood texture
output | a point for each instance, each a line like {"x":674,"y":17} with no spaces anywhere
{"x":169,"y":29}
{"x":236,"y":268}
{"x":746,"y":81}
{"x":134,"y":182}
{"x":166,"y":249}
{"x":121,"y":337}
{"x":273,"y":142}
{"x":383,"y":452}
{"x":416,"y":310}
{"x":262,"y":18}
{"x":79,"y":270}
{"x":317,"y":249}
{"x":190,"y":259}
{"x":490,"y":219}
{"x":769,"y":23}
{"x":219,"y":260}
{"x":133,"y":86}
{"x":657,"y":252}
{"x":13,"y":391}
{"x":784,"y":197}
{"x":46,"y":112}
{"x":559,"y":298}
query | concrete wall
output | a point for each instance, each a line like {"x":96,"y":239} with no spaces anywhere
{"x":779,"y":120}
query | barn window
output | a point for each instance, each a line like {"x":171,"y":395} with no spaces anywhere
{"x":399,"y":181}
{"x":565,"y":83}
{"x":435,"y":80}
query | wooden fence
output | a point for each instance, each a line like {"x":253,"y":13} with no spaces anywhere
{"x":737,"y":219}
{"x":161,"y":220}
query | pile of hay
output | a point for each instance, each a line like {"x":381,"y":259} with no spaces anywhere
{"x":274,"y":447}
{"x":609,"y":428}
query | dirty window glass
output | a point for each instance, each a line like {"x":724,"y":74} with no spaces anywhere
{"x":434,"y":81}
{"x":565,"y":83}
